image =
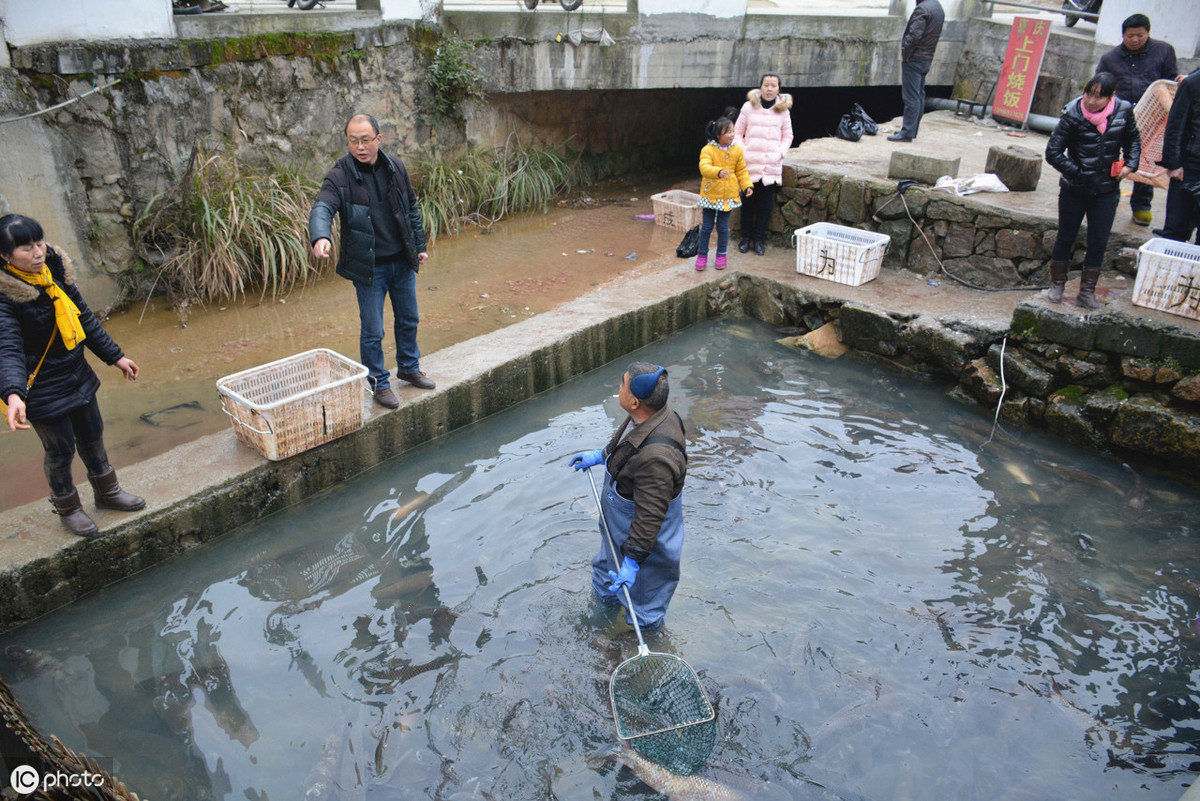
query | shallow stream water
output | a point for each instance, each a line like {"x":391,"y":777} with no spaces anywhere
{"x":880,"y":605}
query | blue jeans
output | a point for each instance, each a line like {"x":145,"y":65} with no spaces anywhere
{"x":1141,"y":196}
{"x":1100,"y":211}
{"x":912,"y":92}
{"x":399,"y":282}
{"x":706,"y":226}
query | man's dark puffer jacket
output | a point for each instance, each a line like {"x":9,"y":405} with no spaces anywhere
{"x":1085,"y":156}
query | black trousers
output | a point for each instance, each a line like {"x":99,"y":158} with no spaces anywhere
{"x":1183,"y":212}
{"x":79,"y":430}
{"x":1100,"y":211}
{"x":756,"y":211}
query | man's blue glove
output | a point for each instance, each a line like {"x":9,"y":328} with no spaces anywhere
{"x":585,"y":459}
{"x":626,"y":575}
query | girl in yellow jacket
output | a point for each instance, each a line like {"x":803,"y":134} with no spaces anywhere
{"x":722,"y":173}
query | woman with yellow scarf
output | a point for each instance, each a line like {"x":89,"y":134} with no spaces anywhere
{"x":44,"y":378}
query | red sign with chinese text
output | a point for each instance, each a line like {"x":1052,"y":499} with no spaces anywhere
{"x":1022,"y":63}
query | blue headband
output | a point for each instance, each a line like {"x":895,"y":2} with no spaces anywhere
{"x":642,"y":386}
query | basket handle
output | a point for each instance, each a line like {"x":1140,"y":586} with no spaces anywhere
{"x":266,"y":433}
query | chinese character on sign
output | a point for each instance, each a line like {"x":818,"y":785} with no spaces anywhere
{"x":1022,"y":63}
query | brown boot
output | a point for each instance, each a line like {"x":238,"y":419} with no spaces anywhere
{"x":1087,"y":290}
{"x":1058,"y":280}
{"x":73,"y":517}
{"x":109,"y":494}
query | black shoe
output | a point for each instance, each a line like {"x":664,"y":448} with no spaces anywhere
{"x":744,"y":246}
{"x":760,"y":249}
{"x":418,"y":380}
{"x":1157,"y":231}
{"x":899,"y":137}
{"x":387,"y":399}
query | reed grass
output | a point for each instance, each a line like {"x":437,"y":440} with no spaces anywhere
{"x":481,"y":186}
{"x":226,"y":229}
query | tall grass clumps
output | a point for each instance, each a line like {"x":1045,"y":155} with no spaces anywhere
{"x":481,"y":186}
{"x":226,"y":229}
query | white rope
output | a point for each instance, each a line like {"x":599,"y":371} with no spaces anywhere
{"x":63,"y":104}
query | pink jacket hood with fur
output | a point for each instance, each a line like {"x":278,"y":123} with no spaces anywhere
{"x":765,"y":135}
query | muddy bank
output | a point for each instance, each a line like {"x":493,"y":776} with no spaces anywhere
{"x":475,"y":282}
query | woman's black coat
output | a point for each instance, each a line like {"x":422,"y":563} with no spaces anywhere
{"x":66,"y":381}
{"x":1085,"y":156}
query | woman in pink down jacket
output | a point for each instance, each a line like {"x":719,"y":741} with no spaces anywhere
{"x":764,"y":130}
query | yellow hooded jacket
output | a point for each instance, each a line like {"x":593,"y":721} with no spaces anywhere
{"x":717,"y":193}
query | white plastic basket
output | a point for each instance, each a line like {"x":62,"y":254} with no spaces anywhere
{"x":839,"y":253}
{"x":676,"y":209}
{"x":1168,"y":277}
{"x":1151,"y":113}
{"x":293,"y":404}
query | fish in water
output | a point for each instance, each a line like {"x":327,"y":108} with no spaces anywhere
{"x":674,"y":786}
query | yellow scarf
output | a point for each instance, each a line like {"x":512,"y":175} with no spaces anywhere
{"x":66,"y":313}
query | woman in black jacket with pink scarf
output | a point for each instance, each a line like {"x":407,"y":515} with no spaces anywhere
{"x":1086,"y":147}
{"x":44,"y":323}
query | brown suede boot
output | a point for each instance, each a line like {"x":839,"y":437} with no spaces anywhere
{"x":73,"y":517}
{"x":1087,"y":290}
{"x":1058,"y":280}
{"x":109,"y":494}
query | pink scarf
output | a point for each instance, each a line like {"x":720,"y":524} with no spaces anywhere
{"x":1099,"y":118}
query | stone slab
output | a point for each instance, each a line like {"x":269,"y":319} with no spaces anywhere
{"x":922,"y":166}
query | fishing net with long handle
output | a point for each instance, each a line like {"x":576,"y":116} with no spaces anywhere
{"x":659,"y":706}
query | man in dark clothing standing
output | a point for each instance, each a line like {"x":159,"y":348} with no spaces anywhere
{"x":916,"y":55}
{"x":382,"y":247}
{"x":1181,"y":157}
{"x":1136,"y":63}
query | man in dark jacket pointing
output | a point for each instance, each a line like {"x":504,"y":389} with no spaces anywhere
{"x":382,"y":247}
{"x":921,"y":36}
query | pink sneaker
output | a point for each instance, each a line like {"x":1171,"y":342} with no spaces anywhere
{"x":720,"y":265}
{"x":701,"y":262}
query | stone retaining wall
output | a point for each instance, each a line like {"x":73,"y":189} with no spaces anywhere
{"x":977,"y":242}
{"x":1127,"y":386}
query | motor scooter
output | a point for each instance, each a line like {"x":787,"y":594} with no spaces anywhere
{"x":568,"y":5}
{"x":1086,"y":6}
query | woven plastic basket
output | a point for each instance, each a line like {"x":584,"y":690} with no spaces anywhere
{"x":1150,"y":113}
{"x":1168,"y":277}
{"x":293,"y":404}
{"x":839,"y":253}
{"x":676,"y":209}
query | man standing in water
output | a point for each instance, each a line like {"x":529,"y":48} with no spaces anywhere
{"x":382,"y":248}
{"x":645,"y":465}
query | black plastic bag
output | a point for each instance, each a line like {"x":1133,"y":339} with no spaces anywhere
{"x":849,"y":128}
{"x":690,"y":245}
{"x":870,"y":128}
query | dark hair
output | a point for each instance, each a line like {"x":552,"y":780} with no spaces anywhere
{"x":1105,"y":84}
{"x":766,"y":75}
{"x":1136,"y":21}
{"x":731,"y":113}
{"x":17,"y":230}
{"x":716,"y":127}
{"x":360,"y":116}
{"x":658,"y":398}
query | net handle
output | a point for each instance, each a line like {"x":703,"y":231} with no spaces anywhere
{"x":642,"y":649}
